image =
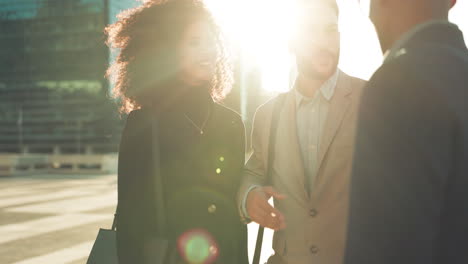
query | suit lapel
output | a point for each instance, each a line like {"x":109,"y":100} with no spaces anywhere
{"x":288,"y":150}
{"x":339,"y":105}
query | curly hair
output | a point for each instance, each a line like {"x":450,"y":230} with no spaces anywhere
{"x":146,"y":38}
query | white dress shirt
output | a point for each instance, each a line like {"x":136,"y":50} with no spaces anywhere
{"x":311,"y":115}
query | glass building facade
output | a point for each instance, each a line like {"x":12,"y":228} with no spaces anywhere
{"x":53,"y":94}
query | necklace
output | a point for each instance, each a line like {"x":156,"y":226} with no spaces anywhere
{"x":200,"y":129}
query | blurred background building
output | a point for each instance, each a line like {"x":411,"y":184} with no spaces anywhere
{"x":54,"y":97}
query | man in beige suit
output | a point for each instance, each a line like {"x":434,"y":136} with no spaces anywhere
{"x":313,"y":149}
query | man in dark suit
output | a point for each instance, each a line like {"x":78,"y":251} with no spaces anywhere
{"x":409,"y":186}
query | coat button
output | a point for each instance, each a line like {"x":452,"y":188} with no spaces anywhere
{"x":313,"y":212}
{"x":212,"y":209}
{"x":313,"y":249}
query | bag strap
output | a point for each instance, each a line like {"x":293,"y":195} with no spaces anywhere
{"x":271,"y":151}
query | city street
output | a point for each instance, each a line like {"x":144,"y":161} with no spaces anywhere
{"x":53,"y":219}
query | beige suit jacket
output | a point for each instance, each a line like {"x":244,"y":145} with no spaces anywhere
{"x":316,"y":226}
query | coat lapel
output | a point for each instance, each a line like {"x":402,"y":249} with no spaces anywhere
{"x":339,"y":105}
{"x":288,"y":151}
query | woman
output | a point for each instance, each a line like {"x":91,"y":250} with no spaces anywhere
{"x":172,"y":66}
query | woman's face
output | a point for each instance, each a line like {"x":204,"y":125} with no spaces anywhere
{"x":197,"y":55}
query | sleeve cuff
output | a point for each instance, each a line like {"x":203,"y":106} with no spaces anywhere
{"x":244,"y":202}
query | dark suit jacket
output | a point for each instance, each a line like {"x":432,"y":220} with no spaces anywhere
{"x":409,"y":186}
{"x":197,"y":194}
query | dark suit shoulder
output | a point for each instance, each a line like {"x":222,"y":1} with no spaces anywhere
{"x":431,"y":51}
{"x":398,"y":81}
{"x":404,"y":86}
{"x":400,"y":70}
{"x":430,"y":61}
{"x":432,"y":68}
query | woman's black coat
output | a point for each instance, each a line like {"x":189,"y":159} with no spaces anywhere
{"x":201,"y":175}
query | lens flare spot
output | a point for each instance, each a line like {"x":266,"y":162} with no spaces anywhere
{"x":213,"y":250}
{"x":218,"y":171}
{"x":221,"y":159}
{"x":197,"y":247}
{"x":197,"y":250}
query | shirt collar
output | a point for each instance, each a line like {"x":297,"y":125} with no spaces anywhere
{"x":327,"y":90}
{"x":398,"y":48}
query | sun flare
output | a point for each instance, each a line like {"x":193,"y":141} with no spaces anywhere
{"x":261,"y":30}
